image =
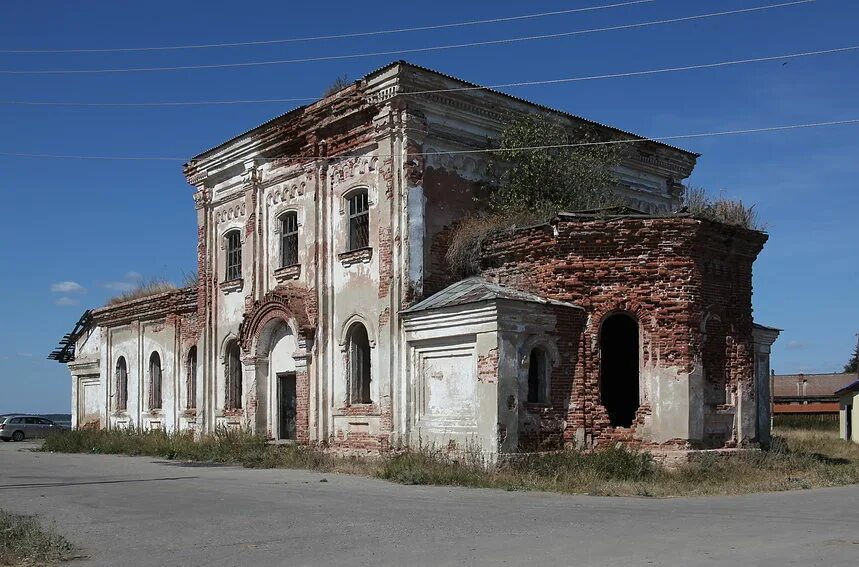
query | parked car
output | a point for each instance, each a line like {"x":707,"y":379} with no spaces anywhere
{"x":20,"y":427}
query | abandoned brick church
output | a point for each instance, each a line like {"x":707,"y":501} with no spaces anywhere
{"x":325,"y":311}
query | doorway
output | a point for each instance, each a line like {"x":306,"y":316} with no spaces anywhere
{"x":286,"y":405}
{"x":619,"y":354}
{"x":848,"y":423}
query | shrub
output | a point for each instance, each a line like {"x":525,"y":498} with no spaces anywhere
{"x":145,"y":289}
{"x":467,"y":237}
{"x":23,"y":541}
{"x":550,"y":174}
{"x":720,"y":209}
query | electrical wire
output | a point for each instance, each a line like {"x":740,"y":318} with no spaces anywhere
{"x":328,"y":37}
{"x":476,"y":151}
{"x":401,"y":51}
{"x":454,"y":89}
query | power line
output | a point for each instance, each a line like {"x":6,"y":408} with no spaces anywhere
{"x":479,"y":151}
{"x":338,"y":36}
{"x":402,"y":51}
{"x":455,"y":89}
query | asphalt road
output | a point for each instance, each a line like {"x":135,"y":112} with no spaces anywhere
{"x":136,"y":511}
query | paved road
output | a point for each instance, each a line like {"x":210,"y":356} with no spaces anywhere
{"x":135,"y":511}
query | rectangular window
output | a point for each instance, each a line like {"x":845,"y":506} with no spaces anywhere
{"x":359,"y":221}
{"x":234,"y":255}
{"x":289,"y":239}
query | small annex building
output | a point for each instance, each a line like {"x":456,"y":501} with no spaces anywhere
{"x":848,"y":402}
{"x":326,"y":313}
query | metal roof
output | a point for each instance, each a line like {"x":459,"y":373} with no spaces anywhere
{"x":477,"y":289}
{"x":451,"y":77}
{"x":851,"y":387}
{"x":810,"y":385}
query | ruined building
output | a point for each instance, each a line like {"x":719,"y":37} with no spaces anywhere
{"x":325,"y":311}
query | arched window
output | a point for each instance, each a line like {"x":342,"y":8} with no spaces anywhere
{"x":359,"y":221}
{"x":154,"y":381}
{"x":234,"y":376}
{"x":359,"y":365}
{"x":619,"y":368}
{"x":121,"y":384}
{"x":538,"y":376}
{"x":191,"y":377}
{"x":288,"y":239}
{"x":233,"y":244}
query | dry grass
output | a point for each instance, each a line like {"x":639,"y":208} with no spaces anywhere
{"x":721,"y":209}
{"x":800,"y":458}
{"x":24,"y":542}
{"x":145,"y":289}
{"x":467,"y":237}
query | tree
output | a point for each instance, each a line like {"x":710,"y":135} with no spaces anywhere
{"x":551,"y":178}
{"x":853,"y":364}
{"x":530,"y":186}
{"x":339,"y":83}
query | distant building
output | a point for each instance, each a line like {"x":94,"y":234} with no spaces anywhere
{"x":808,"y":393}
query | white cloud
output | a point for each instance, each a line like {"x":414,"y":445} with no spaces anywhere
{"x":796,"y":345}
{"x":67,"y":287}
{"x":120,"y":286}
{"x":134,"y":276}
{"x":25,"y":354}
{"x":67,"y":301}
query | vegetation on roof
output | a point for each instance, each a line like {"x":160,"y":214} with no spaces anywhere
{"x":529,"y":186}
{"x":144,"y":289}
{"x":721,"y":209}
{"x":340,"y":82}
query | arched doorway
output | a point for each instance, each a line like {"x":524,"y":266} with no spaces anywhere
{"x":278,"y":345}
{"x":619,"y":379}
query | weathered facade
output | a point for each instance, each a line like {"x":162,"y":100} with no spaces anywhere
{"x":321,"y":242}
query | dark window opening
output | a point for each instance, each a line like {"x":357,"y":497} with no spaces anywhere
{"x":154,"y":381}
{"x":538,"y":376}
{"x":234,"y":377}
{"x":191,"y":377}
{"x":619,"y":381}
{"x":359,"y":365}
{"x":359,"y":221}
{"x":121,"y":384}
{"x":289,"y":239}
{"x":234,"y":255}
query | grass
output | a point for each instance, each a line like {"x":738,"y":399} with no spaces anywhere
{"x":145,"y":289}
{"x":800,"y":458}
{"x":24,"y":542}
{"x":721,"y":209}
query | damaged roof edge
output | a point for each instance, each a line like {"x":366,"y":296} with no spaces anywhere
{"x":387,"y":67}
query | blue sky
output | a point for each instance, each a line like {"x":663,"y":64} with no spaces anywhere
{"x":103,"y":225}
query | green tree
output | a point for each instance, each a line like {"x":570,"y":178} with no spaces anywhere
{"x":853,"y":364}
{"x":552,"y":178}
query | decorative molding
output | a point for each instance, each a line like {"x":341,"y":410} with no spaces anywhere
{"x":353,"y":167}
{"x":198,"y":178}
{"x":353,"y":257}
{"x":287,"y":193}
{"x":286,"y":273}
{"x":230,"y":286}
{"x":229,"y":213}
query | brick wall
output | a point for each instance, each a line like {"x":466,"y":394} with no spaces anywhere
{"x":668,"y":273}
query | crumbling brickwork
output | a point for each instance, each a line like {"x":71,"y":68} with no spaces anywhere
{"x":658,"y":270}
